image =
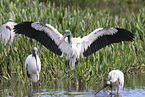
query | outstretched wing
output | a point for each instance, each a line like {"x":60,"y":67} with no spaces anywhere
{"x":44,"y":33}
{"x":101,"y":37}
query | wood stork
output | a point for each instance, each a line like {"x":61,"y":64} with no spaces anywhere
{"x":33,"y":66}
{"x":115,"y":79}
{"x":7,"y":33}
{"x":69,"y":46}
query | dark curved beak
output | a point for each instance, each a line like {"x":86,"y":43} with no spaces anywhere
{"x":62,"y":40}
{"x":104,"y":86}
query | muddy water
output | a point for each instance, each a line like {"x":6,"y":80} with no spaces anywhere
{"x":134,"y":86}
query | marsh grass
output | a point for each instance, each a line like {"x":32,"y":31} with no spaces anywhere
{"x":127,"y":56}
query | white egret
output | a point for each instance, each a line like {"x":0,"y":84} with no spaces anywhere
{"x":115,"y":80}
{"x":7,"y":33}
{"x":33,"y":66}
{"x":73,"y":48}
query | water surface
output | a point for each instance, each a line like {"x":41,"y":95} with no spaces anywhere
{"x":134,"y":86}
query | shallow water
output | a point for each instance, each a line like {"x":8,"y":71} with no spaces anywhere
{"x":134,"y":86}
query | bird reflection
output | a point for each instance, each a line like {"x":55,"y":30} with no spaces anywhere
{"x":114,"y":95}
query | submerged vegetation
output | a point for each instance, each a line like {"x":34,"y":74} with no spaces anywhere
{"x":126,"y":56}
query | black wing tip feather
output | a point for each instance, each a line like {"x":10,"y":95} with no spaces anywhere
{"x":22,"y":23}
{"x":21,"y":26}
{"x":127,"y":33}
{"x":27,"y":71}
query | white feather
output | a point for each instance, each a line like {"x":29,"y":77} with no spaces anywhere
{"x":33,"y":69}
{"x":116,"y":76}
{"x":5,"y":34}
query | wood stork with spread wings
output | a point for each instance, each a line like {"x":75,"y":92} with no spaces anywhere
{"x":69,"y":46}
{"x":33,"y":66}
{"x":115,"y":79}
{"x":7,"y":33}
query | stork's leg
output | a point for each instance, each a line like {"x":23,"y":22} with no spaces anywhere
{"x":30,"y":91}
{"x":37,"y":87}
{"x":76,"y":64}
{"x":37,"y":81}
{"x":30,"y":81}
{"x":67,"y":63}
{"x":30,"y":85}
{"x":111,"y":91}
{"x":67,"y":82}
{"x":117,"y":90}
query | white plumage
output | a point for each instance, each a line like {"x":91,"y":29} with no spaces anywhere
{"x":33,"y":66}
{"x":65,"y":44}
{"x":115,"y":80}
{"x":7,"y":33}
{"x":116,"y":77}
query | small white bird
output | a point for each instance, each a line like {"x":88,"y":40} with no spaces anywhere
{"x":7,"y":33}
{"x":33,"y":66}
{"x":115,"y":79}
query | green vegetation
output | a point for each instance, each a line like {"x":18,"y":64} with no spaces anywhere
{"x":126,"y":56}
{"x":117,"y":7}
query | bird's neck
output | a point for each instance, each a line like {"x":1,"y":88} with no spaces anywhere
{"x":34,"y":55}
{"x":69,"y":39}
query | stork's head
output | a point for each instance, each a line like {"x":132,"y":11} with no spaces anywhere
{"x":10,"y":20}
{"x":67,"y":33}
{"x":108,"y":83}
{"x":34,"y":51}
{"x":10,"y":24}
